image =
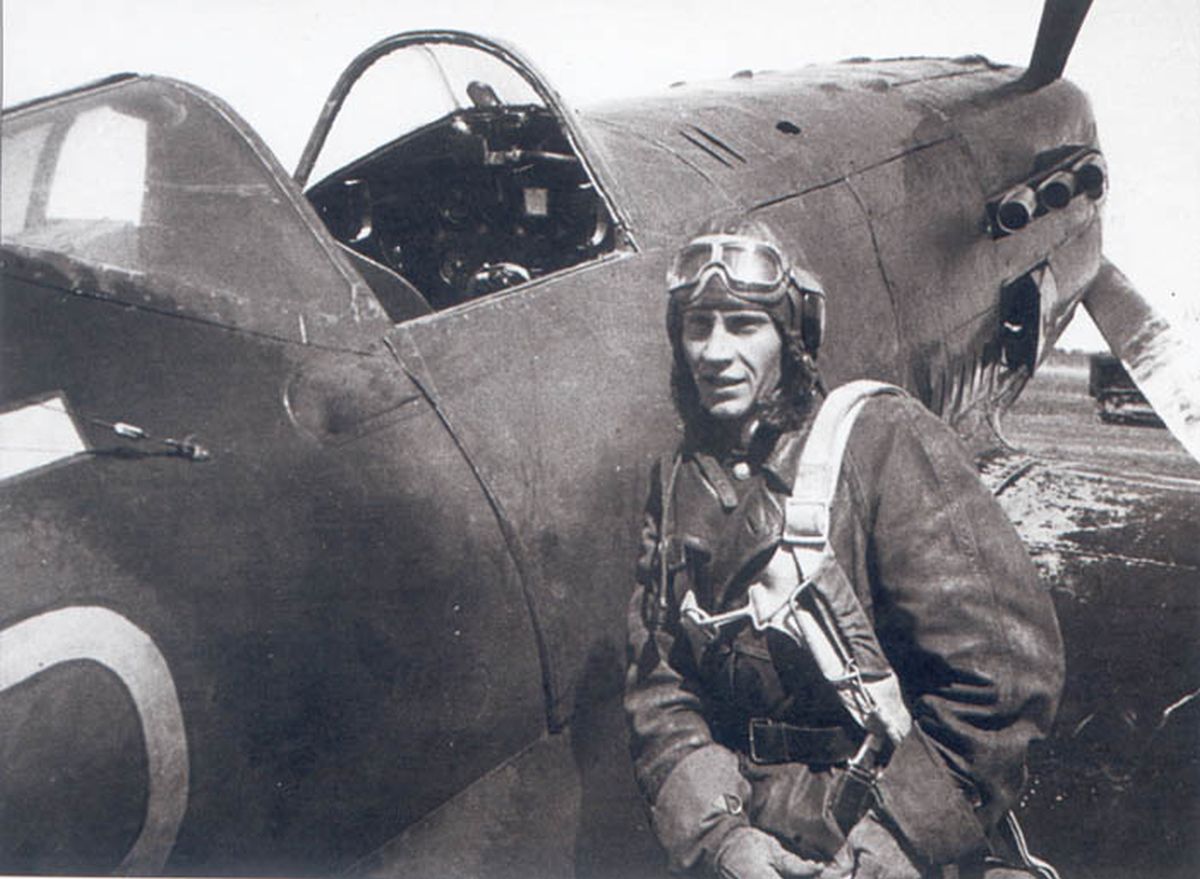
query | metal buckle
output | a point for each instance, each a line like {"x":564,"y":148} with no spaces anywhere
{"x":805,"y":522}
{"x":754,"y":755}
{"x":698,"y":616}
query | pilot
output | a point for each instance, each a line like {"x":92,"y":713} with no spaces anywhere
{"x":743,"y":747}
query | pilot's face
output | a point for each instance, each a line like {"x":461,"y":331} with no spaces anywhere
{"x":735,"y":356}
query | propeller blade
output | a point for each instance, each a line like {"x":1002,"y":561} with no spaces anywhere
{"x":1061,"y":20}
{"x":1162,"y":361}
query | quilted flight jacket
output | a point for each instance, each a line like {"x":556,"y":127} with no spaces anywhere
{"x":956,"y":606}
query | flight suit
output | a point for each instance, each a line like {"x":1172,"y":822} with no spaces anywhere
{"x":741,"y":728}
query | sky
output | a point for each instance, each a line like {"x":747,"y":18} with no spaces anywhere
{"x":274,"y":62}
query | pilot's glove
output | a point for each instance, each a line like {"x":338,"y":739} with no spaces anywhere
{"x":871,"y":851}
{"x":749,"y":853}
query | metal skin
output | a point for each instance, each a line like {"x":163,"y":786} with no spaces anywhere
{"x":391,"y":602}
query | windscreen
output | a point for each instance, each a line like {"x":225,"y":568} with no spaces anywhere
{"x":409,"y":88}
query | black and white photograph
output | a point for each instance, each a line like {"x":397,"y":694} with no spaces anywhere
{"x":600,"y":440}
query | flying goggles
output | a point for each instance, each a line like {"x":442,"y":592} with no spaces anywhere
{"x":754,"y":270}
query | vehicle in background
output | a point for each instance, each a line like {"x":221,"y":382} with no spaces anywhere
{"x":1118,"y":398}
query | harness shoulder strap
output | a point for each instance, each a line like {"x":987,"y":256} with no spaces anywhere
{"x":806,"y":511}
{"x":826,"y":609}
{"x":806,"y":532}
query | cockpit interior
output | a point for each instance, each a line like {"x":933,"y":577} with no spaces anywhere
{"x":483,"y":198}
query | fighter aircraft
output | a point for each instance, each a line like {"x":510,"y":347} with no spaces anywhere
{"x":319,"y":498}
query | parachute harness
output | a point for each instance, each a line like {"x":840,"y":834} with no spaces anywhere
{"x":820,"y":611}
{"x":803,"y":592}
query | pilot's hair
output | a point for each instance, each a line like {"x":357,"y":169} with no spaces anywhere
{"x":799,"y":381}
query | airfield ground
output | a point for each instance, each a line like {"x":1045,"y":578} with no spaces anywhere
{"x":1111,"y":515}
{"x":1055,"y":417}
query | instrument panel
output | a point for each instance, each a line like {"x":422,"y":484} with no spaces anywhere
{"x":480,"y":200}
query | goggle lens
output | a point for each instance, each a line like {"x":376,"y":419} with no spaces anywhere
{"x":689,"y":264}
{"x":754,"y":267}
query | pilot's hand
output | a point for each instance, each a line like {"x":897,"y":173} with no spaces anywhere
{"x":749,"y":853}
{"x":871,"y":852}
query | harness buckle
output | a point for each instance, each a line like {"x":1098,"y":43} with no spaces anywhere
{"x":806,"y":522}
{"x":691,"y":610}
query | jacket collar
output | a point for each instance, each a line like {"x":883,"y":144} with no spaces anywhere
{"x":783,"y":460}
{"x":780,"y":465}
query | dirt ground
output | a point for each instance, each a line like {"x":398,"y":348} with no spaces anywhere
{"x":1111,"y":515}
